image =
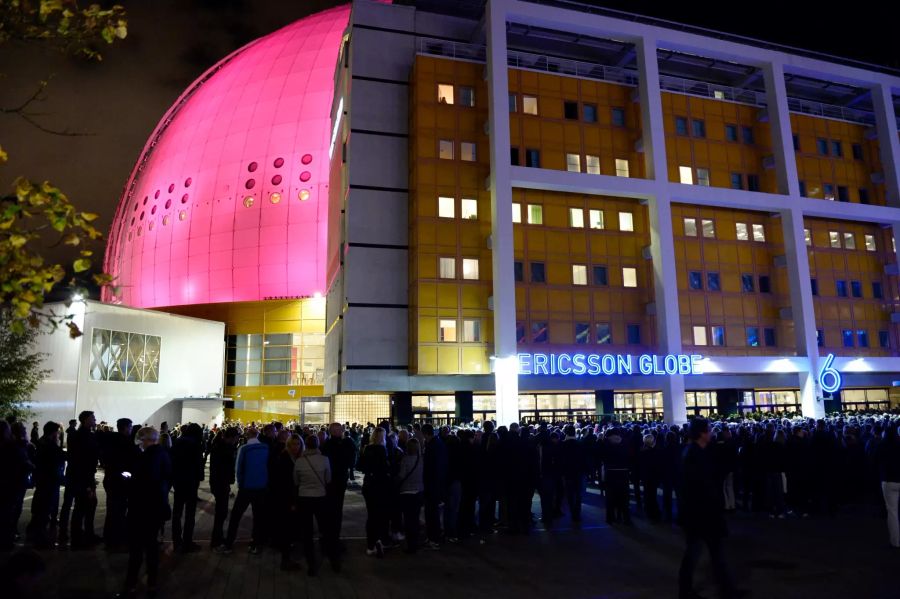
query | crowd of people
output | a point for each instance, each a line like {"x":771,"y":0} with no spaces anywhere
{"x":470,"y":481}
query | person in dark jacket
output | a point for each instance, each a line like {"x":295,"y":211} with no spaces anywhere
{"x":549,"y":472}
{"x":222,"y":455}
{"x":341,"y":452}
{"x":50,"y":460}
{"x":435,"y":472}
{"x":147,"y":507}
{"x":573,"y":467}
{"x":650,"y":469}
{"x":887,"y":460}
{"x":615,"y":463}
{"x":283,"y":495}
{"x":375,"y":466}
{"x":15,"y":466}
{"x":117,"y":452}
{"x":488,"y":460}
{"x":187,"y":472}
{"x":35,"y":433}
{"x":83,"y":457}
{"x":701,"y":513}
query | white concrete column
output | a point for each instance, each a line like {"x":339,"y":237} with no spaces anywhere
{"x":888,"y":143}
{"x":780,"y":125}
{"x":506,"y":384}
{"x":659,"y":208}
{"x":802,"y":309}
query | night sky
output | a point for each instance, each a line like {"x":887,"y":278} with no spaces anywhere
{"x":118,"y":102}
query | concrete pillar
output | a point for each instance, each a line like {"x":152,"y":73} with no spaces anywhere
{"x":888,"y":143}
{"x":780,"y":124}
{"x":802,"y":309}
{"x":662,"y":247}
{"x":505,"y":364}
{"x":463,"y":406}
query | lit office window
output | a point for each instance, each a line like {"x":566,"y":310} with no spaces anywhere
{"x":686,"y":174}
{"x":593,"y":164}
{"x":576,"y":218}
{"x":466,"y":96}
{"x":579,"y":274}
{"x":471,"y":330}
{"x":718,"y":94}
{"x":690,"y":227}
{"x":535,"y":214}
{"x":467,"y":151}
{"x":470,"y":268}
{"x":445,"y":93}
{"x":516,"y":212}
{"x":807,"y":237}
{"x":870,"y":243}
{"x":699,"y":335}
{"x":469,"y":209}
{"x":448,"y":330}
{"x":718,"y":335}
{"x":759,"y":233}
{"x":850,"y":241}
{"x":703,"y":177}
{"x":573,"y":163}
{"x":835,"y":238}
{"x":447,"y":268}
{"x":445,"y":149}
{"x":753,"y":336}
{"x":595,"y":219}
{"x":622,"y":168}
{"x":629,"y":276}
{"x":626,"y":221}
{"x":126,"y":357}
{"x":709,"y":228}
{"x":446,"y":207}
{"x":742,"y":231}
{"x":529,"y":105}
{"x":603,"y":333}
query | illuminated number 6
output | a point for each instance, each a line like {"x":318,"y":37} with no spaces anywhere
{"x":829,"y":378}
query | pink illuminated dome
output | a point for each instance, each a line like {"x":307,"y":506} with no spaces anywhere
{"x":228,"y":200}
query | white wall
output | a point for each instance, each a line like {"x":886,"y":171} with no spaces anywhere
{"x":191,"y":365}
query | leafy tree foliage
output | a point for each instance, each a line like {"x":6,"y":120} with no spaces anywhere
{"x":21,"y":368}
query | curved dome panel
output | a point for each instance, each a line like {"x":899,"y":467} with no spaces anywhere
{"x":228,"y":200}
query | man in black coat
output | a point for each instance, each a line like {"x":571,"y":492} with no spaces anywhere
{"x":435,"y":469}
{"x":341,"y":452}
{"x":83,"y":457}
{"x":148,"y":503}
{"x":187,"y":472}
{"x":118,"y":452}
{"x":49,"y":462}
{"x":222,"y":456}
{"x":701,"y":514}
{"x":573,"y":466}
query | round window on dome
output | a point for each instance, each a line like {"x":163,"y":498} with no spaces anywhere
{"x":132,"y":221}
{"x":275,"y":198}
{"x":305,"y":175}
{"x":252,"y":167}
{"x":182,"y":215}
{"x":279,"y":162}
{"x":248,"y":201}
{"x":139,"y":232}
{"x":171,"y":187}
{"x":276,"y":180}
{"x":156,"y":195}
{"x":306,"y":159}
{"x":142,"y":216}
{"x":303,"y":195}
{"x":153,"y":210}
{"x":168,"y":204}
{"x":188,"y":181}
{"x":184,"y":199}
{"x":250,"y":183}
{"x":145,"y":200}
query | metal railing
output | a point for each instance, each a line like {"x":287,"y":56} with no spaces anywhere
{"x":630,"y":77}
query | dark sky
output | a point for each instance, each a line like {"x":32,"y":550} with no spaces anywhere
{"x":119,"y":101}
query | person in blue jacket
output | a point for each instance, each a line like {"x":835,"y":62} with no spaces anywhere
{"x":252,"y":476}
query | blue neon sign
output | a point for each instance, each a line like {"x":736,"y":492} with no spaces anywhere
{"x":608,"y":364}
{"x":829,"y":378}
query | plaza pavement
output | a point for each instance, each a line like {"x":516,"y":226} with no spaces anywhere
{"x":844,"y":556}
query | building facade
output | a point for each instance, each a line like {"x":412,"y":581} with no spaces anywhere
{"x":525,"y":210}
{"x":543,"y":211}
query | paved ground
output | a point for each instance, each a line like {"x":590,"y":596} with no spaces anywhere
{"x":845,"y":556}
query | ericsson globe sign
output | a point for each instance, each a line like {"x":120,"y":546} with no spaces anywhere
{"x":590,"y":364}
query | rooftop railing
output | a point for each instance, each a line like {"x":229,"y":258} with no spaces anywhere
{"x":623,"y":76}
